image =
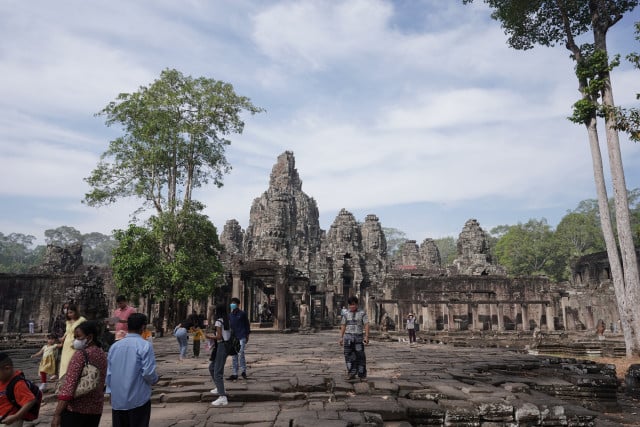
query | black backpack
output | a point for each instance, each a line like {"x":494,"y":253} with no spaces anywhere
{"x":34,"y":411}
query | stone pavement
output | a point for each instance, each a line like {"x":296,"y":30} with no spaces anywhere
{"x":299,"y":380}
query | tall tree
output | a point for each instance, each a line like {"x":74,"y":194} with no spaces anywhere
{"x":174,"y":141}
{"x":15,"y":253}
{"x":447,"y":246}
{"x":548,"y":22}
{"x":62,"y":236}
{"x":530,"y":249}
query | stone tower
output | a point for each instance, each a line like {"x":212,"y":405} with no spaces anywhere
{"x":474,"y":257}
{"x":283,"y":222}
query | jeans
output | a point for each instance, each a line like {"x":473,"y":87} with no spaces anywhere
{"x":354,"y":355}
{"x":216,"y":368}
{"x":239,"y":357}
{"x":183,"y":339}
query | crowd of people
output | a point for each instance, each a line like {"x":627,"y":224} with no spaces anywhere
{"x":123,"y":364}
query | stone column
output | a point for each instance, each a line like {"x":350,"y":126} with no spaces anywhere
{"x":525,"y":317}
{"x":5,"y":325}
{"x":514,"y":310}
{"x":474,"y":317}
{"x":17,"y":319}
{"x":550,"y":315}
{"x":500,"y":310}
{"x":281,"y":294}
{"x":426,"y":321}
{"x":237,"y":288}
{"x":451,"y":326}
{"x":563,"y":308}
{"x":591,"y":324}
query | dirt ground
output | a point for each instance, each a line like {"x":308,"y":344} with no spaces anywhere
{"x":622,"y":364}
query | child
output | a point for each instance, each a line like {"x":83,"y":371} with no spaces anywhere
{"x":198,"y":335}
{"x":9,"y":414}
{"x":48,"y":361}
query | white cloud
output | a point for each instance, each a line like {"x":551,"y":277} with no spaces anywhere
{"x":385,"y":105}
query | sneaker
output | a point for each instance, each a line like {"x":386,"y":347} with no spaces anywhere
{"x":221,"y":401}
{"x":232,"y":377}
{"x":42,"y":386}
{"x":53,"y":377}
{"x":244,"y":375}
{"x":351,"y":377}
{"x":214,"y":391}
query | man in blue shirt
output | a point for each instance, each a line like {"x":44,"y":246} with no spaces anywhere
{"x":131,"y":372}
{"x":239,"y":323}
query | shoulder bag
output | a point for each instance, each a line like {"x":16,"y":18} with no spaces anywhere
{"x":88,"y":381}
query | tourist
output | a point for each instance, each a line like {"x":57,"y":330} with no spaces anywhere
{"x":9,"y":414}
{"x":131,"y":373}
{"x":354,"y":334}
{"x":181,"y":332}
{"x":58,"y":329}
{"x":32,"y":326}
{"x":73,"y":320}
{"x":198,"y":337}
{"x":239,"y":323}
{"x":48,"y":361}
{"x":84,"y":410}
{"x":411,"y":328}
{"x":120,"y":316}
{"x":219,"y":354}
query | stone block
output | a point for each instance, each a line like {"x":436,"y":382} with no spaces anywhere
{"x":495,"y":411}
{"x":183,"y":397}
{"x":527,"y":413}
{"x":632,"y":380}
{"x":426,"y":394}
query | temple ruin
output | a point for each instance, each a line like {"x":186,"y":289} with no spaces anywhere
{"x":290,"y":275}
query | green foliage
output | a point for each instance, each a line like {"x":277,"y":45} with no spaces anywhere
{"x":395,"y":238}
{"x":175,"y":256}
{"x":96,"y":247}
{"x":174,"y":141}
{"x":62,"y":236}
{"x":628,"y":119}
{"x":447,"y":246}
{"x":137,"y":263}
{"x":530,"y":249}
{"x":16,"y":255}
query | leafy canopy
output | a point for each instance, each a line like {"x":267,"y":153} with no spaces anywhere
{"x":174,"y":141}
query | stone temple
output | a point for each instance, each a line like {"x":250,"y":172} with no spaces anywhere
{"x":292,"y":275}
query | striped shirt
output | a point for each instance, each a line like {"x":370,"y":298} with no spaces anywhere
{"x":354,"y":322}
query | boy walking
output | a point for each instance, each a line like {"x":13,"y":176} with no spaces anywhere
{"x":354,"y":334}
{"x":10,"y":414}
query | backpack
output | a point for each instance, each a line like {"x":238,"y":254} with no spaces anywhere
{"x":34,"y":411}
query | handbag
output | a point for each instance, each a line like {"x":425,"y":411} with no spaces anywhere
{"x":88,"y":381}
{"x":232,"y":345}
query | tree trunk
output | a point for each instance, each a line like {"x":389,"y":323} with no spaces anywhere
{"x":617,"y":276}
{"x":623,"y":222}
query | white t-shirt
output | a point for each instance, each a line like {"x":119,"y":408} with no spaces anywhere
{"x":226,"y":333}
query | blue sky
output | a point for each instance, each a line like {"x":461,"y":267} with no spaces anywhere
{"x":416,"y":111}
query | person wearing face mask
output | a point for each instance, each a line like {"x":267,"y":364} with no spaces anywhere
{"x":85,"y":410}
{"x":239,"y":323}
{"x":73,"y":320}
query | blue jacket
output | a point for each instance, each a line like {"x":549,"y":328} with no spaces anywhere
{"x":239,"y":323}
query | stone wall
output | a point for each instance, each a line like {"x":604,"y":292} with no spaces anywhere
{"x":39,"y":296}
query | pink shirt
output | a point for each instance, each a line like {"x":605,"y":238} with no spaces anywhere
{"x":122,"y":314}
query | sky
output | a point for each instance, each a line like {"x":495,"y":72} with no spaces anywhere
{"x":416,"y":111}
